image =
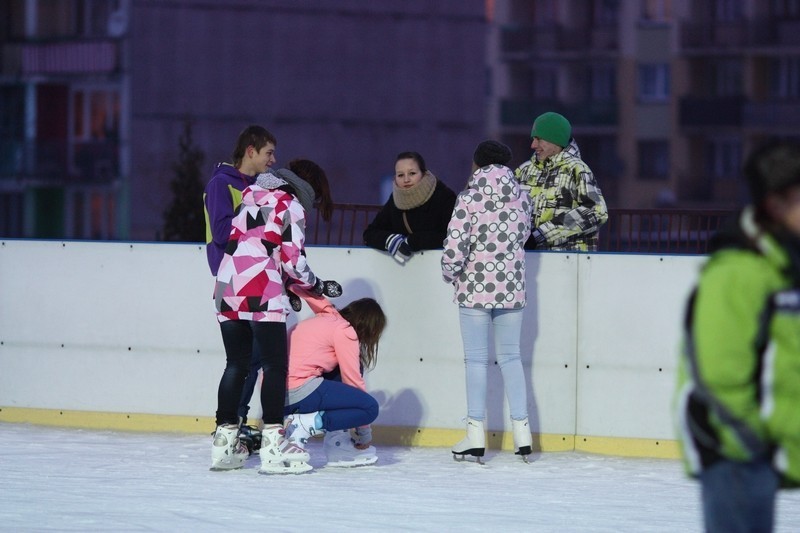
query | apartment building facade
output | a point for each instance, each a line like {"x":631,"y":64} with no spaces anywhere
{"x":665,"y":96}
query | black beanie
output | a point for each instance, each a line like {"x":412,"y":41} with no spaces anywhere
{"x":491,"y":153}
{"x":772,"y":168}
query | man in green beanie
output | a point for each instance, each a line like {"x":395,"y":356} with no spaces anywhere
{"x":568,"y":206}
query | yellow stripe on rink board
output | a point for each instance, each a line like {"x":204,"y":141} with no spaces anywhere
{"x":628,"y":447}
{"x":383,"y":435}
{"x":103,"y":420}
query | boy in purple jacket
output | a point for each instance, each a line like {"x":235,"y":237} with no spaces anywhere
{"x":254,"y":153}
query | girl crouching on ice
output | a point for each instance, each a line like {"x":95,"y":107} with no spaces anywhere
{"x":347,"y":339}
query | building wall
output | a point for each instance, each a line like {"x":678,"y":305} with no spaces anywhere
{"x":348,"y":84}
{"x":709,"y":114}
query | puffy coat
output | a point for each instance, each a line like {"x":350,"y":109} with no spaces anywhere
{"x":266,"y":243}
{"x":483,"y":253}
{"x":739,"y":374}
{"x":428,"y":222}
{"x":568,"y":206}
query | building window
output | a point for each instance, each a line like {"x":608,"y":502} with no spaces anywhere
{"x":544,"y":12}
{"x":724,"y":158}
{"x":94,"y":133}
{"x":785,"y":78}
{"x":728,"y":10}
{"x":728,"y":77}
{"x":603,"y":82}
{"x":544,"y":83}
{"x":656,"y":10}
{"x":653,"y":160}
{"x":74,"y":18}
{"x":786,"y":9}
{"x":605,"y":12}
{"x":654,"y":82}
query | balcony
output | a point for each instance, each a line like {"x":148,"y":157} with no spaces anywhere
{"x":715,"y":35}
{"x":772,"y":114}
{"x":534,"y":40}
{"x":51,"y":58}
{"x":522,"y":112}
{"x":712,"y":111}
{"x":54,"y":161}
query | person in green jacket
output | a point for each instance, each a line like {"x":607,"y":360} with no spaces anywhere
{"x":738,"y":397}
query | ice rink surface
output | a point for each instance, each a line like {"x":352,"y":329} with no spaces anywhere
{"x":59,"y":479}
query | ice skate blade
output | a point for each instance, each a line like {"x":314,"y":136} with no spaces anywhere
{"x":468,"y":458}
{"x":285,"y":467}
{"x":361,"y":461}
{"x":220,"y":466}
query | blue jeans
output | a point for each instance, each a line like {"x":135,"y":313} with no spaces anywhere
{"x":475,"y":330}
{"x":739,"y":497}
{"x":345,"y":406}
{"x":269,"y":339}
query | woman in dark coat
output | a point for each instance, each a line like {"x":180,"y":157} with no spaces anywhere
{"x":417,"y":213}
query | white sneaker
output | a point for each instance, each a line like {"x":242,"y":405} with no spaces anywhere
{"x":279,"y":455}
{"x":341,"y":452}
{"x":300,"y":427}
{"x":227,"y":451}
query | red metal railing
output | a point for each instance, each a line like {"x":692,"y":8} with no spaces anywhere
{"x":676,"y":231}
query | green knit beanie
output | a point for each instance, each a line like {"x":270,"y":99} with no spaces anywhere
{"x":552,"y":127}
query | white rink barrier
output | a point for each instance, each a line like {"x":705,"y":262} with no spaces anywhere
{"x":123,"y":336}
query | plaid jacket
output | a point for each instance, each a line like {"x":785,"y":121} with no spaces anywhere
{"x":568,"y":206}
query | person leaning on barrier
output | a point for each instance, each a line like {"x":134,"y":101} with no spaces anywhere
{"x":739,"y":378}
{"x":568,"y":206}
{"x":417,"y":213}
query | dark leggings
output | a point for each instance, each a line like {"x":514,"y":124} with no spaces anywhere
{"x":238,"y":336}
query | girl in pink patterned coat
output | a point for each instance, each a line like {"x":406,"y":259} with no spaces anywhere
{"x":265,"y":247}
{"x":484,"y":260}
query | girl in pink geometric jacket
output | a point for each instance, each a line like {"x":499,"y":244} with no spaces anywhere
{"x":265,"y":245}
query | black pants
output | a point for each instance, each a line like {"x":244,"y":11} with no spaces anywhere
{"x":270,"y":340}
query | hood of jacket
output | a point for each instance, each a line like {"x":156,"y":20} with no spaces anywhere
{"x":258,"y":196}
{"x":496,"y":182}
{"x":231,"y":174}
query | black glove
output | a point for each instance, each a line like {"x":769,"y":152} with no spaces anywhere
{"x":329,"y":288}
{"x":295,"y":301}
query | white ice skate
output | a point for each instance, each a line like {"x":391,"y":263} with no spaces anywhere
{"x":522,"y":438}
{"x":474,"y":444}
{"x":299,"y":427}
{"x":279,"y":455}
{"x":341,"y":452}
{"x":227,"y":451}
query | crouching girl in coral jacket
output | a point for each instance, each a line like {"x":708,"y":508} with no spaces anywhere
{"x":346,"y":339}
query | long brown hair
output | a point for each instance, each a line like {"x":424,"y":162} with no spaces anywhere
{"x":315,"y":176}
{"x":369,"y":321}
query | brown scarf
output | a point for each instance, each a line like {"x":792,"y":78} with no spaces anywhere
{"x":415,"y":195}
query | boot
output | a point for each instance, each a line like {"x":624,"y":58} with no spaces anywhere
{"x":302,"y":426}
{"x":279,"y":455}
{"x":227,"y":451}
{"x":474,"y":444}
{"x":251,"y":437}
{"x":522,"y":438}
{"x":340,"y":451}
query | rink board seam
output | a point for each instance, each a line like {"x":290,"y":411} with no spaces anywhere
{"x":383,"y":435}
